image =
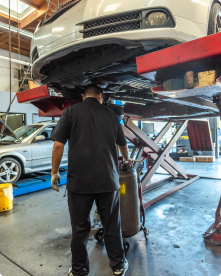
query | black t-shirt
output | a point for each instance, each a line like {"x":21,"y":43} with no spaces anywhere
{"x":93,"y":131}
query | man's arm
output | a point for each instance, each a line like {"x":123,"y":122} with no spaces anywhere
{"x":124,"y":151}
{"x":57,"y":153}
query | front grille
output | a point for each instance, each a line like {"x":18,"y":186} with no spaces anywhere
{"x":112,"y":20}
{"x":114,"y":24}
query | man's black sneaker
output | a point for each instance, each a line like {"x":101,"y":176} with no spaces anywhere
{"x":122,"y":271}
{"x":70,"y":273}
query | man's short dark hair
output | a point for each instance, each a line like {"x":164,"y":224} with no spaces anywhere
{"x":92,"y":90}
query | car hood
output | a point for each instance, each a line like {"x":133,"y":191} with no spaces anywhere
{"x":7,"y":131}
{"x":10,"y":147}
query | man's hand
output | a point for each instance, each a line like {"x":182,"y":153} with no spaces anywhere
{"x":57,"y":153}
{"x":54,"y":178}
{"x":125,"y":152}
{"x":127,"y":159}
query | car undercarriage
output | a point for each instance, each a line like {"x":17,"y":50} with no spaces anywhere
{"x":113,"y":67}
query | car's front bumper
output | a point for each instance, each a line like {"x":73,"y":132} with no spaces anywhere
{"x":185,"y":30}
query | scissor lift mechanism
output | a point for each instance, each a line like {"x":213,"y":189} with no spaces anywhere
{"x":149,"y":148}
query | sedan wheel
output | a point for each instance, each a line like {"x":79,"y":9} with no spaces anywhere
{"x":10,"y":170}
{"x":215,"y":19}
{"x":218,"y":22}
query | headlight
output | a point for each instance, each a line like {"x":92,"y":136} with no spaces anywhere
{"x":157,"y":19}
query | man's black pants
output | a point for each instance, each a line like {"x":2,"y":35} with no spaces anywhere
{"x":108,"y":205}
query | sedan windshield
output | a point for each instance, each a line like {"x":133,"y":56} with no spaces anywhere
{"x":22,"y":133}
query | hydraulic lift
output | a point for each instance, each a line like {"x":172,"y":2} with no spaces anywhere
{"x":149,"y":148}
{"x":200,"y":54}
{"x":161,"y":65}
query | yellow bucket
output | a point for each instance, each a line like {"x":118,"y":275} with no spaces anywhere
{"x":6,"y":197}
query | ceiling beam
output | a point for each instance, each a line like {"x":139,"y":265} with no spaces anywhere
{"x":4,"y":37}
{"x":31,"y":3}
{"x":15,"y":42}
{"x":2,"y":15}
{"x":23,"y":39}
{"x":35,"y":15}
{"x":22,"y":52}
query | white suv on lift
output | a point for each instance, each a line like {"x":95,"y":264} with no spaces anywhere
{"x":28,"y":149}
{"x":98,"y":40}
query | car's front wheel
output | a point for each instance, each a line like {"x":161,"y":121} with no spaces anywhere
{"x":214,"y":19}
{"x":10,"y":170}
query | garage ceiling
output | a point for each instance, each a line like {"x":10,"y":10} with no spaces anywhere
{"x":25,"y":16}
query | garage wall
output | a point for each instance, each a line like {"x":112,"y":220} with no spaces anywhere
{"x":28,"y":109}
{"x":5,"y":71}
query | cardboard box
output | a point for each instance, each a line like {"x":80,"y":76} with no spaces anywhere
{"x":207,"y":78}
{"x":32,"y":85}
{"x":205,"y":158}
{"x":211,"y":158}
{"x":187,"y":159}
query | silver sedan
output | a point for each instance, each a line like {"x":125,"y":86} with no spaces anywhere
{"x":27,"y":150}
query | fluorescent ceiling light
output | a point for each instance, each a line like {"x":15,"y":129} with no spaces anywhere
{"x":14,"y":29}
{"x":15,"y":60}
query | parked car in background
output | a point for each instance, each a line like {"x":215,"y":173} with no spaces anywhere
{"x":98,"y":41}
{"x":28,"y":149}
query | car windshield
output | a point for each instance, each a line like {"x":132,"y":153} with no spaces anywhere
{"x":22,"y":133}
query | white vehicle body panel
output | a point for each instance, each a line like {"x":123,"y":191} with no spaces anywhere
{"x":33,"y":156}
{"x":190,"y":16}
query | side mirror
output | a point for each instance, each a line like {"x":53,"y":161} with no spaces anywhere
{"x":39,"y":138}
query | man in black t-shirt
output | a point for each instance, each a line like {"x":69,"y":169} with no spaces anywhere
{"x":93,"y":131}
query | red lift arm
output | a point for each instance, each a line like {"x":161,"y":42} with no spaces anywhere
{"x":208,"y":47}
{"x":48,"y":106}
{"x":204,"y":53}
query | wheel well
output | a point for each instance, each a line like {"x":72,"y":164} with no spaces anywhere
{"x":210,"y":7}
{"x":213,"y":2}
{"x":18,"y":159}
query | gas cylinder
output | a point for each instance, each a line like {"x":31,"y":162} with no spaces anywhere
{"x":129,"y":202}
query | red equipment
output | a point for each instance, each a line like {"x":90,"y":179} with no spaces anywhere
{"x":200,"y":54}
{"x":196,"y":50}
{"x":200,"y":135}
{"x":160,"y":65}
{"x":149,"y":148}
{"x":48,"y":106}
{"x":213,"y":234}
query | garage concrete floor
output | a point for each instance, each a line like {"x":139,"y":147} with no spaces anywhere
{"x":36,"y":234}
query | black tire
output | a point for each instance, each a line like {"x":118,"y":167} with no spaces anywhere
{"x":8,"y":175}
{"x":99,"y":235}
{"x":214,"y":25}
